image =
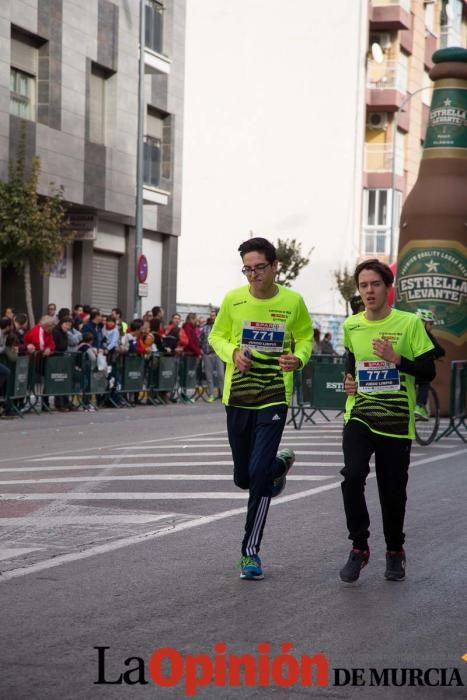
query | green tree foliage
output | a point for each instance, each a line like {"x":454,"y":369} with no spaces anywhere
{"x":291,"y":261}
{"x":33,"y":229}
{"x":345,"y":283}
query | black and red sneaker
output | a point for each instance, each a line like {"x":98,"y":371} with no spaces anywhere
{"x":395,"y":566}
{"x":358,"y":558}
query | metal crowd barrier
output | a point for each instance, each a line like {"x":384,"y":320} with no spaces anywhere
{"x":319,"y":387}
{"x":457,"y":400}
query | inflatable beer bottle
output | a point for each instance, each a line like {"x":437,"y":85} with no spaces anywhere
{"x":432,"y":260}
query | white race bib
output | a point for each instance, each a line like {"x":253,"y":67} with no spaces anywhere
{"x":263,"y":337}
{"x":377,"y":375}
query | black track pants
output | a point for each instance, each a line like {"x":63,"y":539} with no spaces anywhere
{"x":254,"y":437}
{"x":392,"y":459}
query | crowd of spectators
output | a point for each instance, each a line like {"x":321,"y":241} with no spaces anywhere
{"x":103,"y":338}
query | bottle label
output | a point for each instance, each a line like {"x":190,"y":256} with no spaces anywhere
{"x":432,"y":275}
{"x":447,"y":123}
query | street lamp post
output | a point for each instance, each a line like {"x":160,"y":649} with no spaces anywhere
{"x":139,"y":161}
{"x":393,"y":183}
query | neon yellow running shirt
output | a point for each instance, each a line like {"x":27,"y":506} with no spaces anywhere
{"x":385,"y":412}
{"x":283,"y":315}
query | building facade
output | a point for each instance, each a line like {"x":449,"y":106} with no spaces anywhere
{"x":69,"y":79}
{"x":403,"y":35}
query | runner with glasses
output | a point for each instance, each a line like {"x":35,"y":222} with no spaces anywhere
{"x":253,"y":333}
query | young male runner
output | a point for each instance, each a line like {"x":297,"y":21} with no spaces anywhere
{"x":387,"y":349}
{"x":253,"y":334}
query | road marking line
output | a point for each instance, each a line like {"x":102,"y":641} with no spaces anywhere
{"x":85,"y":520}
{"x":188,"y":525}
{"x":6,"y":553}
{"x":226,"y":453}
{"x":147,"y":465}
{"x":113,"y":445}
{"x":152,"y":477}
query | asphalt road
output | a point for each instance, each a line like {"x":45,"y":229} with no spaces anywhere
{"x":121,"y":529}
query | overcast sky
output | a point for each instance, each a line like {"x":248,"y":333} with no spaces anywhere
{"x":268,"y":139}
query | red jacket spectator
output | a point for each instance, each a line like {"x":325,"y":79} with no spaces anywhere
{"x":40,"y":336}
{"x":193,"y":346}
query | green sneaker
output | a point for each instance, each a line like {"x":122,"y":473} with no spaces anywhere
{"x":251,"y":568}
{"x":211,"y":398}
{"x":287,"y":456}
{"x":421,"y":413}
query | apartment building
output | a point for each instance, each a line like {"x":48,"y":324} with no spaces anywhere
{"x":403,"y":35}
{"x":69,"y":77}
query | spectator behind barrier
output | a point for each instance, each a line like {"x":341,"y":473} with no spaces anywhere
{"x":326,"y":345}
{"x":171,"y":335}
{"x":21,"y":328}
{"x":212,"y":363}
{"x":94,"y":326}
{"x":40,"y":338}
{"x":188,"y":339}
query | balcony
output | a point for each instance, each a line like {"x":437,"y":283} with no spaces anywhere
{"x":431,"y":44}
{"x":378,"y":159}
{"x":390,"y":14}
{"x":386,"y":85}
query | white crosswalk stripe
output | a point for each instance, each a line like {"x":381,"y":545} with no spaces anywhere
{"x":64,"y":505}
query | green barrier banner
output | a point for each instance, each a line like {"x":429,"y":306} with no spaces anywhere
{"x":21,"y":377}
{"x":164,"y":374}
{"x":98,"y":382}
{"x":188,"y":379}
{"x":327,"y":384}
{"x":133,"y":373}
{"x":58,"y":375}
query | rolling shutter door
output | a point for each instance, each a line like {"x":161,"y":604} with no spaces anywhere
{"x":105,"y":281}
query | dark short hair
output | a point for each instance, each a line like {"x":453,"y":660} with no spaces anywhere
{"x":156,"y":310}
{"x":5,"y":322}
{"x":21,"y":318}
{"x":95,"y":314}
{"x":258,"y":245}
{"x":377,"y":266}
{"x":136,"y":325}
{"x":65,"y":319}
{"x":64,"y":311}
{"x":88,"y":337}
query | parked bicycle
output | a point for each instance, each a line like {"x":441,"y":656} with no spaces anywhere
{"x":427,"y":425}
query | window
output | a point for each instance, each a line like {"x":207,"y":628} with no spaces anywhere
{"x":152,"y":161}
{"x":154,"y":12}
{"x":23,"y":74}
{"x":22,"y":94}
{"x":377,"y":216}
{"x":451,"y":23}
{"x":157,"y":147}
{"x":97,"y":110}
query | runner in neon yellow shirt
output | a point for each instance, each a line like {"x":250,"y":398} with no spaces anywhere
{"x":254,"y":332}
{"x":386,"y":349}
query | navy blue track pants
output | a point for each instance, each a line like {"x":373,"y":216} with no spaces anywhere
{"x":254,"y":437}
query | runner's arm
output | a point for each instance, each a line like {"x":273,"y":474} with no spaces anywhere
{"x":302,"y":334}
{"x":422,"y":367}
{"x":220,"y":336}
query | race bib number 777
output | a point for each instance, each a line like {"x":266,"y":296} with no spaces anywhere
{"x":377,"y":375}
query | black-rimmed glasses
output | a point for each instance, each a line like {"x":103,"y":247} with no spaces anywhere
{"x":257,"y":268}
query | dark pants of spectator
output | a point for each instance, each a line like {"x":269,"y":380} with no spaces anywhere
{"x":422,"y":394}
{"x":4,"y":374}
{"x":254,"y":437}
{"x":392,"y":459}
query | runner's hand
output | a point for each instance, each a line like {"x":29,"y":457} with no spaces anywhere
{"x":384,"y":349}
{"x":241,"y":362}
{"x":350,"y":385}
{"x":289,"y":363}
